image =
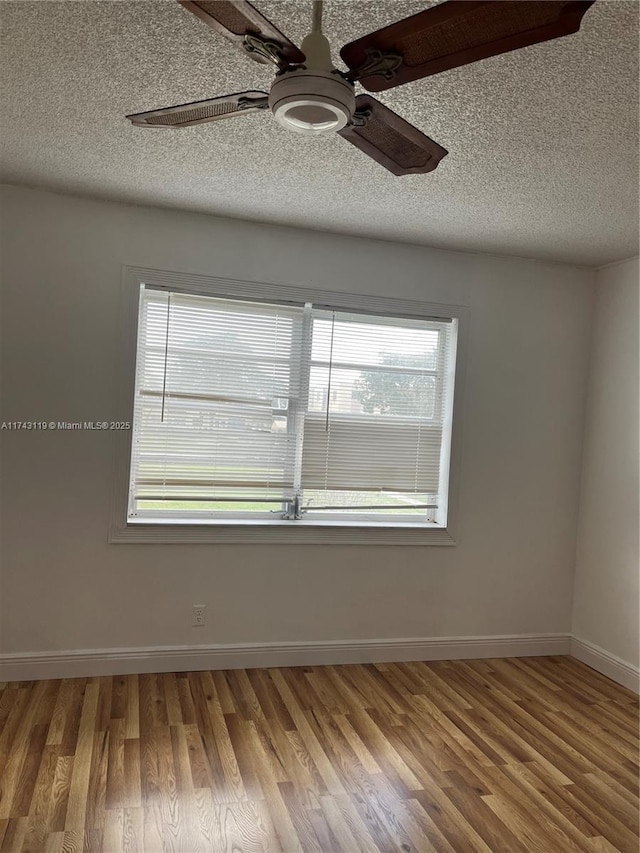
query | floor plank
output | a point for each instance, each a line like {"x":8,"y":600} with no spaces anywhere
{"x":504,"y":756}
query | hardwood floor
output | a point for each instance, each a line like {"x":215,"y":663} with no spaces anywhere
{"x":531,"y":754}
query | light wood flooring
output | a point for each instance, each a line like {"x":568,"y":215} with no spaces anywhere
{"x":530,"y":754}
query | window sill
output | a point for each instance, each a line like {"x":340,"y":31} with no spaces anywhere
{"x":276,"y":531}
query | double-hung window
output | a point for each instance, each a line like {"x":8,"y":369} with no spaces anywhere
{"x":291,"y":414}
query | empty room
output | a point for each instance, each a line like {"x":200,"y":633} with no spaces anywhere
{"x":319,"y":426}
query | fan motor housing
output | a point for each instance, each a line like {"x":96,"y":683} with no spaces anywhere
{"x":312,"y":101}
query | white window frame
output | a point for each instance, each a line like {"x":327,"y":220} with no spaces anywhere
{"x":277,"y":531}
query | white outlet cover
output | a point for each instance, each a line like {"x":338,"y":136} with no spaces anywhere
{"x":198,"y":615}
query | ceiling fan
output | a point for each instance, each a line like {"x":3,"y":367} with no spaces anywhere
{"x":310,"y":96}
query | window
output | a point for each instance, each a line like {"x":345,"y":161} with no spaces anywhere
{"x":248,"y":410}
{"x":265,"y":413}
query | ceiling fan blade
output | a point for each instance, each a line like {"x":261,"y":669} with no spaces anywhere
{"x":242,"y":24}
{"x":455,"y":33}
{"x":199,"y":112}
{"x":390,"y":140}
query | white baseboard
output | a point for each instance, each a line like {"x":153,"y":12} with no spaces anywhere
{"x":28,"y":666}
{"x":603,"y":661}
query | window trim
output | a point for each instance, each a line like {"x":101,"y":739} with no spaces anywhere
{"x":275,"y":531}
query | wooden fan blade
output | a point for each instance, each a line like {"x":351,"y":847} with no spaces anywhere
{"x":390,"y":140}
{"x":199,"y":112}
{"x":455,"y":33}
{"x":239,"y":21}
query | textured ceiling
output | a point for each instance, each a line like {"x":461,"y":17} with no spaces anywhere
{"x":543,"y":142}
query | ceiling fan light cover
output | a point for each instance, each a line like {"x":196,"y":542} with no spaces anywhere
{"x":312,"y":102}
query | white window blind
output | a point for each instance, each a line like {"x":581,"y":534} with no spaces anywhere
{"x":374,"y":427}
{"x":214,"y":424}
{"x":247,"y":409}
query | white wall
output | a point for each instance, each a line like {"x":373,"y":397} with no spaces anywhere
{"x":608,"y":564}
{"x":64,"y":587}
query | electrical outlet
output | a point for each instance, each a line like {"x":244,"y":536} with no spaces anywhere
{"x":199,"y":611}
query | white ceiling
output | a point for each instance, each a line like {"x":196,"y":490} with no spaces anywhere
{"x":543,"y":142}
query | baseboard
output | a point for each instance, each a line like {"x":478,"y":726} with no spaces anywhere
{"x":603,"y":661}
{"x":28,"y":666}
